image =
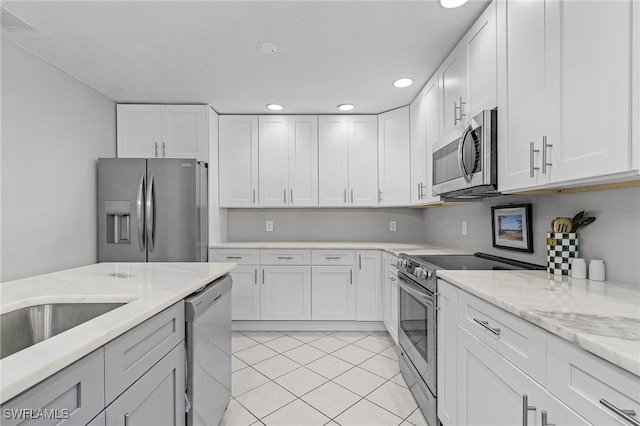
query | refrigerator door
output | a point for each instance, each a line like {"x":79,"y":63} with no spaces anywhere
{"x":121,"y":195}
{"x":173,"y":190}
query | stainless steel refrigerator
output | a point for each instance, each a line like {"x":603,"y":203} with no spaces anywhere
{"x":152,"y":210}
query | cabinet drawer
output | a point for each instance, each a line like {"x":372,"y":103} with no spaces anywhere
{"x":74,"y":395}
{"x":129,"y":356}
{"x":239,"y":256}
{"x":392,"y":261}
{"x":285,"y":257}
{"x":581,"y":380}
{"x":518,"y":341}
{"x":333,"y":257}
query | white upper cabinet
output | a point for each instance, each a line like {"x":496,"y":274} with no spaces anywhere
{"x":238,"y":160}
{"x":288,"y":147}
{"x":451,"y":92}
{"x":566,"y":91}
{"x":348,"y":159}
{"x":425,"y":131}
{"x":394,"y":158}
{"x":162,"y":131}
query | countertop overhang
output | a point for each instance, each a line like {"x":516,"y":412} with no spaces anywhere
{"x":602,"y":317}
{"x":148,"y":288}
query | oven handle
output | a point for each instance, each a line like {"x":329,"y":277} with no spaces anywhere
{"x":419,"y":294}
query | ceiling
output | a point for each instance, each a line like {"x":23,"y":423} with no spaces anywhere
{"x":329,"y":52}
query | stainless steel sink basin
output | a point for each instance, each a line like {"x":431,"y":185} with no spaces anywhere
{"x":24,"y":327}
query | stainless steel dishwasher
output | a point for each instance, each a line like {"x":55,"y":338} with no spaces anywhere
{"x":208,"y":335}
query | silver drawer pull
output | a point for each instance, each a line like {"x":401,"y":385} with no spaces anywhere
{"x":625,"y":414}
{"x":545,"y":422}
{"x":285,"y":257}
{"x":332,"y":257}
{"x":234,"y":257}
{"x":485,"y":324}
{"x":525,"y":409}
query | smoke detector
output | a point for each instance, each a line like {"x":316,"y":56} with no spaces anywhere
{"x":267,"y":48}
{"x":9,"y":21}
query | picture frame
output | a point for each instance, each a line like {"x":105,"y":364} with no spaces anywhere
{"x":511,"y":227}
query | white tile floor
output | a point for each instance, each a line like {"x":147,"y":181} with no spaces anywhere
{"x":318,"y":378}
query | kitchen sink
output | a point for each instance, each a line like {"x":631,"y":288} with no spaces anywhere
{"x":25,"y":327}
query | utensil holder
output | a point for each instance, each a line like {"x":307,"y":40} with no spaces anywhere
{"x":560,"y":248}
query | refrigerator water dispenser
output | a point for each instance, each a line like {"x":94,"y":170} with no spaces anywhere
{"x":118,"y":222}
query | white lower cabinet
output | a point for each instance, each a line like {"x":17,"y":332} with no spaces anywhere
{"x":368,"y":277}
{"x":285,"y":293}
{"x":333,"y":293}
{"x":447,"y":333}
{"x":245,"y":293}
{"x":390,"y":301}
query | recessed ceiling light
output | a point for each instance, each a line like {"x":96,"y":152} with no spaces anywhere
{"x":267,"y":48}
{"x":275,"y":107}
{"x":450,"y":4}
{"x":403,"y":82}
{"x":345,"y":107}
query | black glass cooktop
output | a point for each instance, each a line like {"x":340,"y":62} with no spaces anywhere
{"x":475,"y":262}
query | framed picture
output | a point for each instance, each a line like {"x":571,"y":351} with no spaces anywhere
{"x":511,"y":227}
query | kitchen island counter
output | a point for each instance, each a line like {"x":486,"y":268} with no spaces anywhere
{"x":601,"y":317}
{"x":146,"y":288}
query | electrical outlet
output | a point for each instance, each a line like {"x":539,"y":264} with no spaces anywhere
{"x":464,"y":227}
{"x":393,"y":226}
{"x":269,"y":226}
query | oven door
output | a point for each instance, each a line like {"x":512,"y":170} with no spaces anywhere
{"x":417,"y":331}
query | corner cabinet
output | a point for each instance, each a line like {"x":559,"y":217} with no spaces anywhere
{"x":162,"y":131}
{"x":348,"y":159}
{"x":288,"y":161}
{"x":570,"y":110}
{"x":238,"y":160}
{"x":394,"y":171}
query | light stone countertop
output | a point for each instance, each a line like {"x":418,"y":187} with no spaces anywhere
{"x":147,"y":287}
{"x":601,"y":317}
{"x":393,"y":248}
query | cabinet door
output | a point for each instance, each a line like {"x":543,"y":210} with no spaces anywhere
{"x":273,"y":143}
{"x":245,"y":293}
{"x":303,"y":161}
{"x":333,"y":160}
{"x":285,"y":293}
{"x":333,"y":293}
{"x":592,"y":68}
{"x":368,"y":285}
{"x":363,"y":160}
{"x":522,"y":91}
{"x":490,"y":390}
{"x":183,"y":132}
{"x":447,"y":353}
{"x":394,"y":157}
{"x":139,"y":131}
{"x":479,"y":50}
{"x":432,"y":135}
{"x":418,"y":149}
{"x":452,"y":88}
{"x":157,"y":398}
{"x":394,"y":305}
{"x":238,"y":160}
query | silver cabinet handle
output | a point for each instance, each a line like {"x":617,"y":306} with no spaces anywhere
{"x":545,"y":145}
{"x":379,"y":195}
{"x":234,"y":257}
{"x":360,"y":261}
{"x":455,"y":113}
{"x":525,"y":409}
{"x":263,"y":277}
{"x":333,"y":257}
{"x":350,"y":276}
{"x":126,"y":419}
{"x":140,"y":213}
{"x":285,"y":195}
{"x":164,"y":150}
{"x":345,"y":196}
{"x":532,"y":167}
{"x":485,"y":324}
{"x":291,"y":198}
{"x":254,"y":196}
{"x":462,"y":114}
{"x":255,"y":276}
{"x":285,"y":257}
{"x":625,"y":414}
{"x":352,"y":196}
{"x":150,"y":213}
{"x":544,"y":420}
{"x":392,"y":279}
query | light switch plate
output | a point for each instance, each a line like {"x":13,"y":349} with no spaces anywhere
{"x":269,"y":226}
{"x":393,"y":226}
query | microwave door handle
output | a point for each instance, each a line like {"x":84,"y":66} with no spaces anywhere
{"x":463,"y":169}
{"x":140,"y":213}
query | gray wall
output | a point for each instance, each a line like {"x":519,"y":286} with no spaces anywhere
{"x":613,"y":237}
{"x":325,"y":225}
{"x":53,"y":130}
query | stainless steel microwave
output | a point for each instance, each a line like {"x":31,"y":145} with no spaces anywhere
{"x":466,"y":167}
